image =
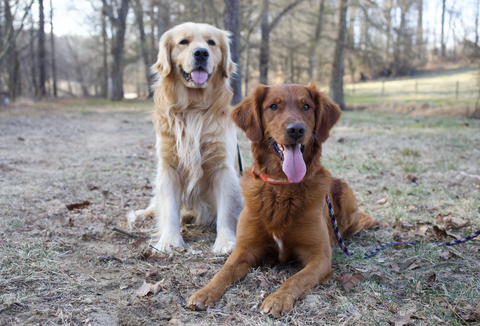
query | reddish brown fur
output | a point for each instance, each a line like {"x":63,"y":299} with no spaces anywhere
{"x":286,"y":221}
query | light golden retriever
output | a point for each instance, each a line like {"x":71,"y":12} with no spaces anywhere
{"x":196,"y":144}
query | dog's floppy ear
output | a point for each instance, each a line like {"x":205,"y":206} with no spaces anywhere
{"x":228,"y":66}
{"x":327,"y":113}
{"x":163,"y":66}
{"x":247,"y":114}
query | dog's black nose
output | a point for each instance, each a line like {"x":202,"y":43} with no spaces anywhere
{"x":295,"y":130}
{"x":201,"y":53}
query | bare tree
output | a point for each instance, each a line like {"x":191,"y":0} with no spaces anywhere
{"x":336,"y":82}
{"x":230,"y":17}
{"x":119,"y":24}
{"x":52,"y":46}
{"x":266,"y":28}
{"x":316,"y":38}
{"x":442,"y":51}
{"x":144,"y":45}
{"x":104,"y":72}
{"x":41,"y":51}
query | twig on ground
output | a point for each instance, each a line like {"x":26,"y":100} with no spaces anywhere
{"x":131,"y":235}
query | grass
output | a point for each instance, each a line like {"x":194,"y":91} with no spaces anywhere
{"x":439,"y":89}
{"x":50,"y":266}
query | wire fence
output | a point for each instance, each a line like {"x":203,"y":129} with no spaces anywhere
{"x":415,"y":89}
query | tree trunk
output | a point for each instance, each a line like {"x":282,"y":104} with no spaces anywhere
{"x":230,"y":18}
{"x":12,"y":55}
{"x":104,"y":76}
{"x":313,"y":47}
{"x":336,"y":82}
{"x":476,"y":23}
{"x":419,"y":36}
{"x":33,"y":71}
{"x":266,"y":28}
{"x":144,"y":45}
{"x":41,"y":51}
{"x":442,"y":51}
{"x":264,"y":45}
{"x":52,"y":46}
{"x":247,"y":46}
{"x":116,"y":71}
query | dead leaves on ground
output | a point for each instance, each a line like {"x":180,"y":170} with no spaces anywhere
{"x":400,"y":320}
{"x":462,"y":311}
{"x":83,"y":204}
{"x":349,"y":281}
{"x":147,"y":288}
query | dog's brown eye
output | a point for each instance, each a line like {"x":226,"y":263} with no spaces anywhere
{"x":273,"y":107}
{"x":306,"y":107}
{"x":184,"y":42}
{"x":211,"y":42}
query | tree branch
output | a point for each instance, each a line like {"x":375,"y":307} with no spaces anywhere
{"x":9,"y":43}
{"x":283,"y":12}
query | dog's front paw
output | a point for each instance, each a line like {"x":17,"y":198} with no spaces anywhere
{"x":223,"y":247}
{"x":166,"y":244}
{"x":202,"y":299}
{"x":278,"y":303}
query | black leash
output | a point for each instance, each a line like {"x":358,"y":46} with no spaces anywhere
{"x":381,"y":247}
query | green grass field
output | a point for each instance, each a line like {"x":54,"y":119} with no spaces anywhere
{"x":438,"y":88}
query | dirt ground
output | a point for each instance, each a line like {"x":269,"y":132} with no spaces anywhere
{"x":75,"y":267}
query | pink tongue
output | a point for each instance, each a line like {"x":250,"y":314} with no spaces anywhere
{"x":199,"y":76}
{"x":293,"y":164}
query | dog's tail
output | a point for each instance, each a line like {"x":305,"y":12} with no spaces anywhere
{"x":369,"y":221}
{"x":134,"y":216}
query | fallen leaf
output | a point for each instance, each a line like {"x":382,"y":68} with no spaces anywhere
{"x":83,"y":204}
{"x":137,"y":242}
{"x":439,"y":232}
{"x":411,"y":208}
{"x":147,"y":288}
{"x":413,"y":266}
{"x":264,"y":282}
{"x":403,"y":266}
{"x":432,"y":280}
{"x":382,"y":201}
{"x":198,"y":271}
{"x":411,"y":177}
{"x":423,"y":229}
{"x":394,"y":266}
{"x":445,"y":256}
{"x":349,"y":281}
{"x":400,"y":320}
{"x":152,"y":274}
{"x":109,"y":257}
{"x":178,"y":249}
{"x":443,"y":218}
{"x":456,"y":236}
{"x":418,"y":287}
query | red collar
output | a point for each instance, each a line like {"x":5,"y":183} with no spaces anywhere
{"x":268,"y":178}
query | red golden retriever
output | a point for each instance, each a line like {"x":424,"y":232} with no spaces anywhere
{"x":285,"y":215}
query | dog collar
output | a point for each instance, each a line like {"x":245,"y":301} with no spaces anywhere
{"x":268,"y":178}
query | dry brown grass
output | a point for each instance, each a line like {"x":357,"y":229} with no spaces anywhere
{"x":71,"y":267}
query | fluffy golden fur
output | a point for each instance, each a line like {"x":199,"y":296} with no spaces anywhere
{"x":286,"y":221}
{"x":197,"y":174}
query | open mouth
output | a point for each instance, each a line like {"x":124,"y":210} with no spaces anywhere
{"x":197,"y":76}
{"x":291,"y":156}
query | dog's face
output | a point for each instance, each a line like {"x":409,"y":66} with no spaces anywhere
{"x":293,"y":119}
{"x":194,"y":53}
